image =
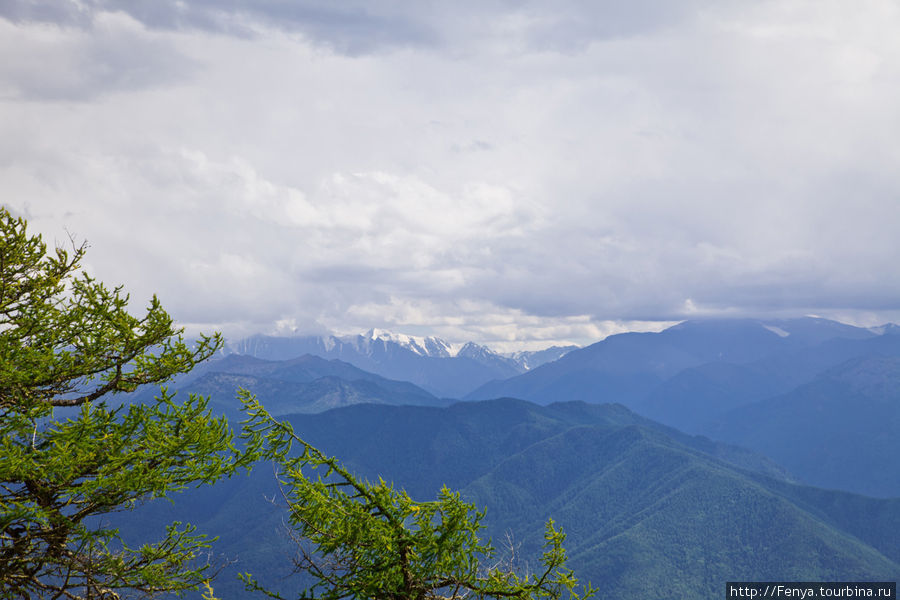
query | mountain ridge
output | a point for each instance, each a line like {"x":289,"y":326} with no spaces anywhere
{"x":443,"y":369}
{"x":839,"y":430}
{"x":628,"y":367}
{"x":648,"y":513}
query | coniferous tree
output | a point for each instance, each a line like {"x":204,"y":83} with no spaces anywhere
{"x":69,"y":454}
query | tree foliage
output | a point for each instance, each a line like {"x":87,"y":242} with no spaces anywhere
{"x":358,"y":539}
{"x":69,"y":456}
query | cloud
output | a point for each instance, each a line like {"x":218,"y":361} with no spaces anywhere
{"x":502,"y":328}
{"x":61,"y":12}
{"x":230,"y":241}
{"x":115,"y":54}
{"x":496,"y":170}
{"x":351,"y":27}
{"x":358,"y":27}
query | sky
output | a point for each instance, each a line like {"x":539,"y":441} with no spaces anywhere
{"x":514,"y":173}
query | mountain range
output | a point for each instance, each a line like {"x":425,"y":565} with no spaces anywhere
{"x":803,"y":391}
{"x":628,"y":367}
{"x":783,"y":387}
{"x":444,"y":369}
{"x":649,"y":512}
{"x":713,"y":451}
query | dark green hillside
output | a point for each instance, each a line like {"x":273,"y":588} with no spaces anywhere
{"x":462,"y":442}
{"x":875,"y":521}
{"x":643,"y":504}
{"x":424,"y":448}
{"x":650,"y":518}
{"x":583,"y":413}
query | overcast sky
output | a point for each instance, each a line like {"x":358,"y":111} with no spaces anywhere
{"x":510,"y":172}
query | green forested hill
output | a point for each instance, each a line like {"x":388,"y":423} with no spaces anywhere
{"x":650,"y":518}
{"x":650,"y":512}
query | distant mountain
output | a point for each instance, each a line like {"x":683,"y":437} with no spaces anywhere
{"x":695,"y":367}
{"x":423,"y":346}
{"x":887,"y":328}
{"x":531,"y":359}
{"x":699,"y":395}
{"x":301,"y":385}
{"x":488,"y":357}
{"x":697,"y":376}
{"x":468,"y":438}
{"x":434,"y":364}
{"x":284,"y":347}
{"x":779,"y":387}
{"x":649,"y":512}
{"x":696,"y":395}
{"x":841,"y":430}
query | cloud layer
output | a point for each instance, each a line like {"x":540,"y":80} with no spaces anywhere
{"x":487,"y":171}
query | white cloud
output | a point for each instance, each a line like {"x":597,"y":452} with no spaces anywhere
{"x":504,"y":174}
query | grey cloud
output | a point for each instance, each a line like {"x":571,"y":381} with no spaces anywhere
{"x":571,"y":25}
{"x":347,"y":27}
{"x":60,"y":12}
{"x":826,"y":251}
{"x":359,"y":27}
{"x":74,"y":65}
{"x":501,"y":194}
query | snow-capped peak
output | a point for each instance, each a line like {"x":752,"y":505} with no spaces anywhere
{"x":423,"y":346}
{"x":473,"y":350}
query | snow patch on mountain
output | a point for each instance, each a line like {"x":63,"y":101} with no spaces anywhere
{"x":374,"y":343}
{"x":777,"y":330}
{"x":435,"y":347}
{"x":886,"y":329}
{"x":531,"y":359}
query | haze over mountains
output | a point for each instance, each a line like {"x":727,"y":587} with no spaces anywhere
{"x":443,"y":369}
{"x":800,"y":421}
{"x":787,"y":388}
